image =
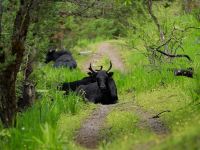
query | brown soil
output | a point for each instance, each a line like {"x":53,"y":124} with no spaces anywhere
{"x":156,"y":125}
{"x":146,"y":121}
{"x":106,"y":49}
{"x":88,"y":136}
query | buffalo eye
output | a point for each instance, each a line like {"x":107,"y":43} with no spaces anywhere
{"x":110,"y":74}
{"x":89,"y":73}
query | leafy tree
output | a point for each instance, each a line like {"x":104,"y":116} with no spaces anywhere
{"x":11,"y":56}
{"x":33,"y":25}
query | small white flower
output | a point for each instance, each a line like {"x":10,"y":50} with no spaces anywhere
{"x":23,"y":128}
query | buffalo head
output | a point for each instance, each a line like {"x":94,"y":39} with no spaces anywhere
{"x":102,"y":76}
{"x":50,"y":55}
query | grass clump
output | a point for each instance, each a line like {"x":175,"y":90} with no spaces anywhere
{"x":39,"y":126}
{"x":119,"y":125}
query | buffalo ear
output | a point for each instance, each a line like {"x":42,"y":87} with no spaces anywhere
{"x":89,"y":73}
{"x":110,"y":74}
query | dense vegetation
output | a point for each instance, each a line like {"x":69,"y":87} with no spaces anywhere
{"x":139,"y":30}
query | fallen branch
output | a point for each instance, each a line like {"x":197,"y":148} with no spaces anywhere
{"x":187,"y":28}
{"x":158,"y":115}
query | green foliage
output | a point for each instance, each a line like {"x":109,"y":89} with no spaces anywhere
{"x":122,"y":123}
{"x":72,"y":22}
{"x":104,"y":28}
{"x":194,"y":87}
{"x":196,"y":13}
{"x":144,"y":30}
{"x":119,"y":125}
{"x":89,"y":30}
{"x":52,"y":122}
{"x":9,"y":12}
{"x":38,"y":127}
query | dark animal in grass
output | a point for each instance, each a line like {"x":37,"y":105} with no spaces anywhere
{"x":53,"y":54}
{"x":102,"y":91}
{"x":65,"y":61}
{"x":71,"y":86}
{"x":184,"y":72}
{"x":28,"y":96}
{"x":61,"y":58}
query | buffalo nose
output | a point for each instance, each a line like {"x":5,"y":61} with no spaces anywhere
{"x":103,"y":88}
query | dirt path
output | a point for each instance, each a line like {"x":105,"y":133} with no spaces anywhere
{"x":146,"y":121}
{"x":88,"y":135}
{"x":106,"y":49}
{"x":154,"y":124}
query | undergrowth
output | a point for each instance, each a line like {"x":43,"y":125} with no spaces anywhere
{"x":53,"y":120}
{"x":40,"y":126}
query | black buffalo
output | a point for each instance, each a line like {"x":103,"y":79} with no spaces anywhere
{"x":61,"y":58}
{"x":184,"y":72}
{"x":71,"y":86}
{"x":103,"y":90}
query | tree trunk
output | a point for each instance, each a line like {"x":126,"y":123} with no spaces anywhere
{"x":155,"y":20}
{"x":7,"y":87}
{"x":187,"y":6}
{"x":8,"y":76}
{"x":1,"y":43}
{"x":7,"y":99}
{"x":28,"y":90}
{"x":1,"y":14}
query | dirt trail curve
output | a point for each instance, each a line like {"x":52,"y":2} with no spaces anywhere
{"x":109,"y":50}
{"x":154,"y":124}
{"x":146,"y":118}
{"x":88,"y":135}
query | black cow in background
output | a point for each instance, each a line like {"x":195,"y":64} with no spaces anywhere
{"x":102,"y":91}
{"x":62,"y":58}
{"x":188,"y":72}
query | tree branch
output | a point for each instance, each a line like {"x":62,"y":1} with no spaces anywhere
{"x":158,"y":115}
{"x":2,"y":54}
{"x":80,"y":12}
{"x":83,"y":7}
{"x":1,"y":14}
{"x":173,"y":56}
{"x":177,"y":40}
{"x":20,"y":30}
{"x":155,"y":19}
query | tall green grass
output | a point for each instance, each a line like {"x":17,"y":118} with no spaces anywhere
{"x":155,"y":88}
{"x":53,"y":120}
{"x":120,"y":125}
{"x":37,"y":127}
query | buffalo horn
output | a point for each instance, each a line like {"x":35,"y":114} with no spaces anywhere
{"x":101,"y":67}
{"x":90,"y":68}
{"x":109,"y":67}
